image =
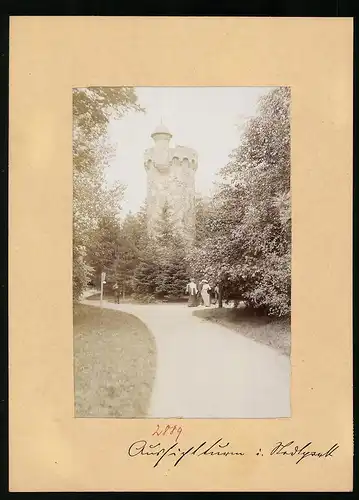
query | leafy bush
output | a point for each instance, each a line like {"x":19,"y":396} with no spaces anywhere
{"x":81,"y":272}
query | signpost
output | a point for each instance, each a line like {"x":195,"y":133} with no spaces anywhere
{"x":103,"y":282}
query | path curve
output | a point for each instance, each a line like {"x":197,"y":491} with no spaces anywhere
{"x":205,"y":370}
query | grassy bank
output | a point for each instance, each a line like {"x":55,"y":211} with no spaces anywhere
{"x":114,"y":363}
{"x":272,"y":332}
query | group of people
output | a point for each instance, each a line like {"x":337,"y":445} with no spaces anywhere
{"x":203,"y":294}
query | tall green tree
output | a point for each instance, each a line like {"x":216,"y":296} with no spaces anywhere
{"x":146,"y":272}
{"x":249,"y":244}
{"x":162,"y":271}
{"x":173,"y":273}
{"x":92,"y":198}
{"x":164,"y":231}
{"x":103,"y":251}
{"x":203,"y":210}
{"x":133,"y":243}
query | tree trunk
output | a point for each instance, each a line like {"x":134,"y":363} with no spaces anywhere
{"x":220,"y":296}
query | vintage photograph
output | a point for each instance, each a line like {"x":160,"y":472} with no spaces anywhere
{"x":182,"y":252}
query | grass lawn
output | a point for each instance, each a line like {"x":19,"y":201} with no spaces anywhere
{"x":114,"y":363}
{"x":266,"y":330}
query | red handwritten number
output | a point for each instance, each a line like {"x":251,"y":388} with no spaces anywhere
{"x":157,"y":433}
{"x":168,"y":429}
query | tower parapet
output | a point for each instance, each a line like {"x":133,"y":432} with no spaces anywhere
{"x":178,"y":156}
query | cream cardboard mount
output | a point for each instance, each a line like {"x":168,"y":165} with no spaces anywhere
{"x":50,"y":450}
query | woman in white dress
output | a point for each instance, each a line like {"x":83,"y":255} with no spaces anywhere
{"x":191,"y":289}
{"x":205,"y":293}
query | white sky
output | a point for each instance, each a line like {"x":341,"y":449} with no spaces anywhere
{"x":204,"y":118}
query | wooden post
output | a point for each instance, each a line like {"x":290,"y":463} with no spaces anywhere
{"x":103,"y":277}
{"x":220,"y":296}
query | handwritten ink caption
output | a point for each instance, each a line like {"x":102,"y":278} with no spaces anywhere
{"x":219,"y":448}
{"x":290,"y":449}
{"x":143,"y":448}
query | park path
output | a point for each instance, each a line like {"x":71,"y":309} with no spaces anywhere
{"x":205,"y":370}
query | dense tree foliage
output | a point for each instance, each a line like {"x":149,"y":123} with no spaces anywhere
{"x":204,"y":214}
{"x":147,"y":267}
{"x":162,"y":272}
{"x":93,"y":199}
{"x":248,"y":247}
{"x":116,"y":247}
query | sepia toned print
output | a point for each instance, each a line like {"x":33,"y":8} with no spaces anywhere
{"x":182,"y":252}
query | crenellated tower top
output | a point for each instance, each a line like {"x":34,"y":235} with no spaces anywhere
{"x":162,"y":156}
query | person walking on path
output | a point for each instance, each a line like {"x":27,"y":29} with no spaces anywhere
{"x":216,"y":294}
{"x":192,"y":290}
{"x":206,"y":293}
{"x":116,"y":293}
{"x":200,"y":285}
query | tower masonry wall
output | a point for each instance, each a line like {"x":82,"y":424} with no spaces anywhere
{"x":171,"y":180}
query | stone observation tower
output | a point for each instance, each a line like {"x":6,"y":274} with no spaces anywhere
{"x":171,"y":180}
